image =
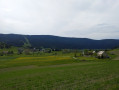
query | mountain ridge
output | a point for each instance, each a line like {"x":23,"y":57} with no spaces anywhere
{"x":58,"y":42}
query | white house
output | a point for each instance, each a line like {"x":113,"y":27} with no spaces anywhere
{"x":93,"y":52}
{"x":102,"y":54}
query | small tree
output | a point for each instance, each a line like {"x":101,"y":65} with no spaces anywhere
{"x":20,"y":51}
{"x":1,"y":54}
{"x":86,"y":51}
{"x":75,"y":53}
{"x":10,"y":52}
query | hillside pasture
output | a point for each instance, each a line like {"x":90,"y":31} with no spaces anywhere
{"x":58,"y":72}
{"x":83,"y":75}
{"x":115,"y":54}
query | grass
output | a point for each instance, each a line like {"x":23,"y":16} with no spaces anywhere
{"x":84,"y":75}
{"x":115,"y":53}
{"x":60,"y":72}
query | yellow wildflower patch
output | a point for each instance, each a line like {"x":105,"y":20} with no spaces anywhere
{"x":35,"y":59}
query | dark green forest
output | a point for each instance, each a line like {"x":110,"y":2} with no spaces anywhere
{"x":56,"y":42}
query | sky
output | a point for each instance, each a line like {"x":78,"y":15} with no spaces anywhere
{"x":95,"y":19}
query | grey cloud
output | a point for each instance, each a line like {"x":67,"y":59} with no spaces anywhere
{"x":95,"y":19}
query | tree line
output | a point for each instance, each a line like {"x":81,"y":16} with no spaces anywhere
{"x":4,"y":45}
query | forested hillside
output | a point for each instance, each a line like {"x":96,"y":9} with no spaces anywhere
{"x":48,"y":41}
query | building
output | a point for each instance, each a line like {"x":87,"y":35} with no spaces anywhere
{"x":93,"y":52}
{"x":102,"y":54}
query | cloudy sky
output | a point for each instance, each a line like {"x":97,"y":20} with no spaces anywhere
{"x":96,"y":19}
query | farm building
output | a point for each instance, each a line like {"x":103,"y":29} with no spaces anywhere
{"x":102,"y":54}
{"x":46,"y":50}
{"x":93,"y":52}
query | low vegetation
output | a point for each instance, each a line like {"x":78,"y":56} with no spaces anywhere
{"x":58,"y":70}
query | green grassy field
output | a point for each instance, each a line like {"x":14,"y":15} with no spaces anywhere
{"x":60,"y":72}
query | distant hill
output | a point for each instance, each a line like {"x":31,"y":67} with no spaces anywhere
{"x":48,"y":41}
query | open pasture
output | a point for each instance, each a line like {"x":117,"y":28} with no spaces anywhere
{"x":60,"y":72}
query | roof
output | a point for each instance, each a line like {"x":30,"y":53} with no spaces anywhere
{"x":93,"y":52}
{"x":100,"y":52}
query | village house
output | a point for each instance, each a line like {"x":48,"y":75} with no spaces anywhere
{"x":93,"y":52}
{"x":102,"y":54}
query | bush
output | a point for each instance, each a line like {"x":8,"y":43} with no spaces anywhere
{"x":1,"y":54}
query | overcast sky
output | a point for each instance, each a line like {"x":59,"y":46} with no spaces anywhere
{"x":96,"y":19}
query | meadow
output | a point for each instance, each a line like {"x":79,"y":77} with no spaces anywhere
{"x":58,"y":72}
